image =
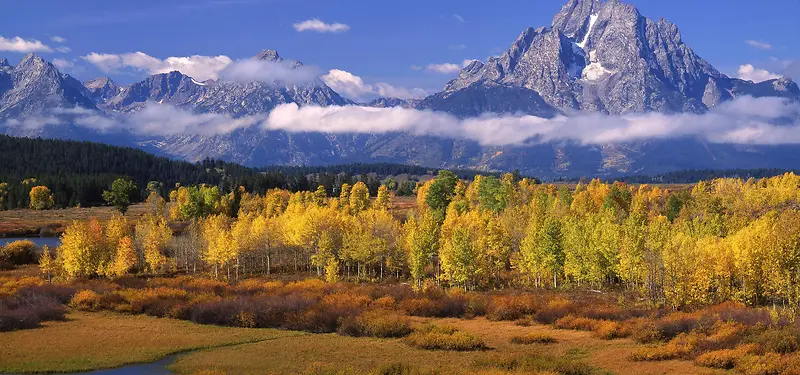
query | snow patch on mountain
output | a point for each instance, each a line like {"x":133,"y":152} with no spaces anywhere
{"x":592,"y":20}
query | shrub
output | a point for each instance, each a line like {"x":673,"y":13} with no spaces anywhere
{"x":432,"y":337}
{"x":681,"y":346}
{"x":86,"y":300}
{"x":160,"y":302}
{"x":23,"y":312}
{"x":376,"y":323}
{"x":19,"y":253}
{"x":768,"y":364}
{"x":724,"y":358}
{"x":60,"y":293}
{"x":533,"y":338}
{"x":781,"y":341}
{"x":536,"y":364}
{"x":555,"y":309}
{"x":438,"y":307}
{"x":510,"y":307}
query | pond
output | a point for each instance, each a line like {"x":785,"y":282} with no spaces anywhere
{"x":38,"y":241}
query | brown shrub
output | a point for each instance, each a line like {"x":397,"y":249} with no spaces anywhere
{"x":767,"y":364}
{"x":85,"y":300}
{"x":682,"y":346}
{"x":533,"y":338}
{"x":431,"y":337}
{"x":554,"y":309}
{"x":511,"y":307}
{"x":778,"y":340}
{"x":376,"y":323}
{"x":28,"y":311}
{"x":725,"y":358}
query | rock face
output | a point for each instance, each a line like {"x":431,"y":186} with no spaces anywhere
{"x":596,"y":56}
{"x":102,"y":89}
{"x":35,"y":85}
{"x":607,"y":57}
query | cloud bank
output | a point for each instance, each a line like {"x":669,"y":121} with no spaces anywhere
{"x":353,"y":87}
{"x":745,"y":120}
{"x":196,"y":66}
{"x":17,"y":44}
{"x":317,"y":25}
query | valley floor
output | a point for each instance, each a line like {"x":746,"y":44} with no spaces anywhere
{"x":104,"y":340}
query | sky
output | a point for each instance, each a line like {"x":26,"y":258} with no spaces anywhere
{"x":401,"y":48}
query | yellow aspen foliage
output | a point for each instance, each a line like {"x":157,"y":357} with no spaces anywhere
{"x":41,"y":198}
{"x":359,"y":197}
{"x":78,"y":251}
{"x":125,"y":258}
{"x":384,"y":198}
{"x":152,"y":236}
{"x":47,"y":264}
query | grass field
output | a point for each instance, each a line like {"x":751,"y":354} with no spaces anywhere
{"x":346,"y":355}
{"x":103,"y":340}
{"x":48,"y":223}
{"x":88,"y":341}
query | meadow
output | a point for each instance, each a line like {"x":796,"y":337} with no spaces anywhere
{"x":494,"y":276}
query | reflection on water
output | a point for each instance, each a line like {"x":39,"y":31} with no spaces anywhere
{"x":39,"y":241}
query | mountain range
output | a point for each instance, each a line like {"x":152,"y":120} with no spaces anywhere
{"x":596,"y":56}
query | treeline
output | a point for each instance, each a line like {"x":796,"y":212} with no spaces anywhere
{"x":77,"y":173}
{"x":381,"y":169}
{"x":727,"y":239}
{"x":692,"y":176}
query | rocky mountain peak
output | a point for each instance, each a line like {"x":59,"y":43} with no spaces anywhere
{"x":4,"y":63}
{"x":268,"y":55}
{"x":573,"y":19}
{"x":102,"y":89}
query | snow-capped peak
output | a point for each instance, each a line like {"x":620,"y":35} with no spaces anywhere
{"x":592,"y":20}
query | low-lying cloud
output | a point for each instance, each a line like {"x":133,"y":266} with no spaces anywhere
{"x":249,"y":70}
{"x":746,"y":120}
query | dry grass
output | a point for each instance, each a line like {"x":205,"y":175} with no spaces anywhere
{"x":104,"y":340}
{"x":331,"y":354}
{"x":26,"y":222}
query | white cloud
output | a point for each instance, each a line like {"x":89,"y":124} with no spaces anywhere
{"x":58,"y":39}
{"x":17,"y":44}
{"x":353,"y":87}
{"x":448,"y":68}
{"x":315,"y":24}
{"x":751,"y":73}
{"x":758,"y":44}
{"x":63,"y":64}
{"x":63,"y":49}
{"x":459,"y":18}
{"x":196,"y":66}
{"x":268,"y":71}
{"x":744,"y":120}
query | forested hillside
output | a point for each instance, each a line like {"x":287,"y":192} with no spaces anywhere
{"x":78,"y":172}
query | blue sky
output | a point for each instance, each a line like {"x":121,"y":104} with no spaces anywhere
{"x":395,"y":43}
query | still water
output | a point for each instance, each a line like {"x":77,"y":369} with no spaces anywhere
{"x":38,"y":241}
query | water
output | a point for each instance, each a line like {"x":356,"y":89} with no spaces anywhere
{"x":153,"y":368}
{"x":38,"y":241}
